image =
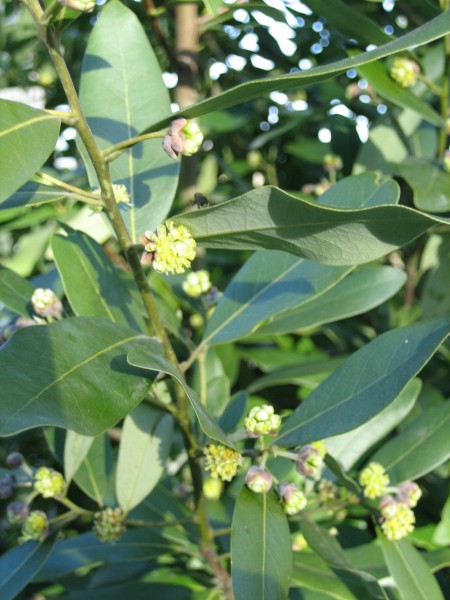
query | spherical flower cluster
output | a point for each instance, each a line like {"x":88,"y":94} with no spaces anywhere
{"x":310,"y":459}
{"x":262,"y":420}
{"x":184,"y":137}
{"x":46,"y":303}
{"x":212,"y":488}
{"x":170,"y":250}
{"x":223,"y":462}
{"x":397,"y":519}
{"x":258,"y":480}
{"x":109,"y":524}
{"x":17,"y":512}
{"x":374,"y":480}
{"x":332,"y":162}
{"x":299,"y":542}
{"x":409,"y":493}
{"x":404,"y":71}
{"x":80,"y":5}
{"x":35,"y":527}
{"x":49,"y":482}
{"x":120,"y":193}
{"x":293,"y":499}
{"x":196,"y":284}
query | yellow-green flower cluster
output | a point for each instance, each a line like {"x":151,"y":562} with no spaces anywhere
{"x":293,"y":499}
{"x":332,"y":162}
{"x":404,"y":71}
{"x":109,"y":524}
{"x":35,"y":527}
{"x":310,"y":458}
{"x":196,"y":284}
{"x":46,"y":303}
{"x":397,"y":520}
{"x":170,"y":250}
{"x":222,"y":462}
{"x":374,"y":480}
{"x":262,"y":420}
{"x":49,"y":482}
{"x":212,"y":488}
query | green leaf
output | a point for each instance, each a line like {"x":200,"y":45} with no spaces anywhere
{"x":312,"y":573}
{"x":410,"y":572}
{"x":93,"y":285}
{"x":442,"y":532}
{"x":269,"y":218}
{"x":15,"y":291}
{"x":139,"y":357}
{"x":357,"y":293}
{"x":360,"y":583}
{"x":213,"y":6}
{"x":19,"y":565}
{"x":435,"y":300}
{"x":430,"y":184}
{"x":144,"y":448}
{"x":96,"y":473}
{"x":418,"y":449}
{"x":428,"y":32}
{"x":71,"y":374}
{"x":27,"y":138}
{"x":267,"y":284}
{"x":261,"y":555}
{"x":349,"y":447}
{"x":121,"y":85}
{"x":377,"y":75}
{"x":76,"y":448}
{"x":34,"y":194}
{"x":366,"y":383}
{"x":361,"y":191}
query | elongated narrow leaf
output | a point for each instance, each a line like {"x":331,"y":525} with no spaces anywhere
{"x":366,"y":383}
{"x":357,"y":293}
{"x":27,"y":138}
{"x":96,"y":473}
{"x":93,"y":285}
{"x":121,"y":86}
{"x":361,"y":191}
{"x":269,"y":218}
{"x":269,"y":283}
{"x":348,"y":447}
{"x":34,"y":194}
{"x":71,"y":374}
{"x":139,"y":357}
{"x":377,"y":76}
{"x":15,"y":291}
{"x":434,"y":29}
{"x":410,"y":572}
{"x":261,"y":555}
{"x":19,"y":565}
{"x":76,"y":448}
{"x":418,"y":449}
{"x":144,"y":447}
{"x":312,"y":573}
{"x":362,"y":584}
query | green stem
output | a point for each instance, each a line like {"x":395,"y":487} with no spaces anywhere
{"x":445,"y":92}
{"x":115,"y":151}
{"x":82,"y":195}
{"x":432,"y":86}
{"x":52,"y":10}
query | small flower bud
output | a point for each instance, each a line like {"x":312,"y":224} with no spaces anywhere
{"x":6,"y":486}
{"x":120,"y":193}
{"x":293,"y":499}
{"x":212,"y":488}
{"x":196,"y":284}
{"x":79,"y":5}
{"x":262,"y":420}
{"x":404,"y":71}
{"x":14,"y":460}
{"x":196,"y":321}
{"x":409,"y":493}
{"x":258,"y":480}
{"x":170,"y":250}
{"x":299,"y":542}
{"x":17,"y":513}
{"x":309,"y":460}
{"x":46,"y":303}
{"x":109,"y":524}
{"x":332,"y":162}
{"x":446,"y":161}
{"x":49,"y":482}
{"x":397,"y":520}
{"x":35,"y":527}
{"x":222,"y":462}
{"x":374,"y":480}
{"x":184,"y":137}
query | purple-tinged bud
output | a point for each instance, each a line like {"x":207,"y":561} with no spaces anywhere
{"x":184,"y":137}
{"x":14,"y":460}
{"x":46,"y":303}
{"x":309,"y":461}
{"x":258,"y":480}
{"x":35,"y":527}
{"x":17,"y":512}
{"x":293,"y":499}
{"x":7,"y":486}
{"x":409,"y":493}
{"x":79,"y":5}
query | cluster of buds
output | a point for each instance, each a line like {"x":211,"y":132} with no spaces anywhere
{"x":184,"y":137}
{"x":332,"y":163}
{"x":292,"y":499}
{"x":17,"y":512}
{"x":49,"y":482}
{"x":404,"y":71}
{"x":316,"y":188}
{"x":258,"y":480}
{"x":212,"y":488}
{"x":374,"y":480}
{"x":79,"y":5}
{"x":222,"y":462}
{"x":170,"y":250}
{"x":14,"y":326}
{"x":196,"y":284}
{"x":35,"y":527}
{"x":46,"y":303}
{"x":310,"y":459}
{"x":262,"y":420}
{"x":120,"y":193}
{"x":397,"y":518}
{"x":109,"y":524}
